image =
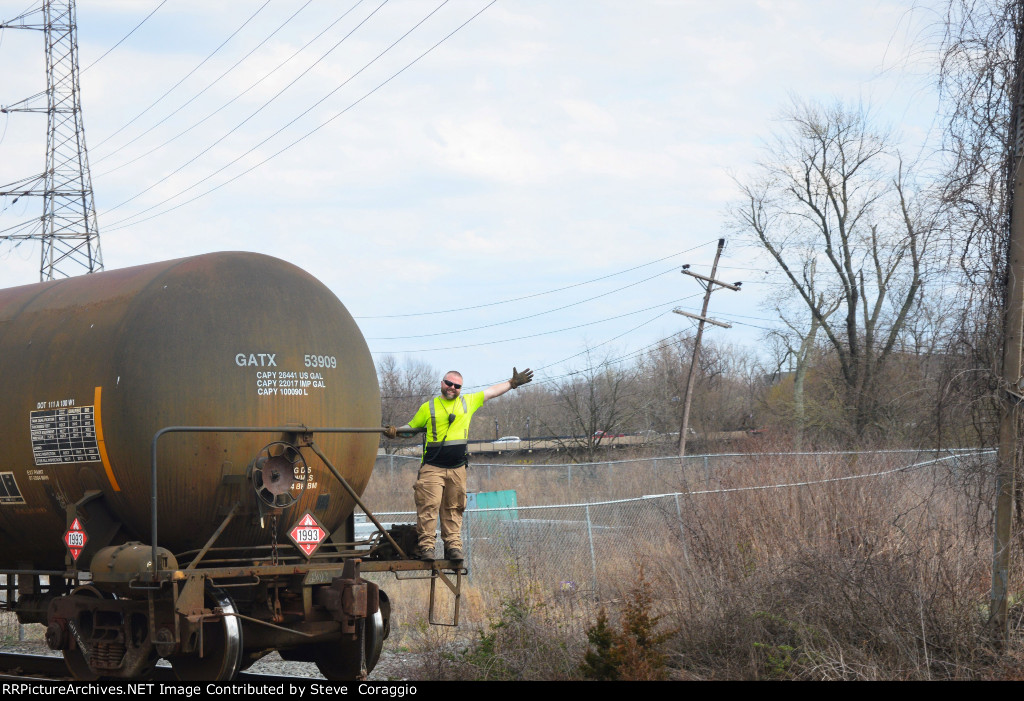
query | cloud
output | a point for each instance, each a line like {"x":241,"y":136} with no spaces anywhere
{"x":541,"y":145}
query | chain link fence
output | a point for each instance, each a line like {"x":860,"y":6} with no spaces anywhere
{"x":586,"y":546}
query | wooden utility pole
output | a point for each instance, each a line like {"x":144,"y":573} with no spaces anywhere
{"x":709,"y":284}
{"x":1013,"y":384}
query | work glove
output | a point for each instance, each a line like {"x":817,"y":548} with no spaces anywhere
{"x":521,"y":378}
{"x":390,"y":431}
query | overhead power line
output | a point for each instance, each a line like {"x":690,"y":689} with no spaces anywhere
{"x":536,"y":294}
{"x":126,"y":223}
{"x":242,"y":94}
{"x":122,"y":39}
{"x":194,"y":98}
{"x":186,"y":76}
{"x":539,"y":334}
{"x":612,"y":361}
{"x":238,"y":126}
{"x":550,"y":379}
{"x":522,"y":318}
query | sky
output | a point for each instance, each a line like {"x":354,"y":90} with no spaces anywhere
{"x":482,"y":184}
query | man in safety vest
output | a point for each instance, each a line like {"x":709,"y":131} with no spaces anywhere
{"x":441,"y":484}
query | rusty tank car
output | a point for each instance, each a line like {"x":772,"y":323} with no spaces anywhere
{"x":185,"y":444}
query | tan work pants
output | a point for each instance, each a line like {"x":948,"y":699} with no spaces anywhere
{"x":440,"y":489}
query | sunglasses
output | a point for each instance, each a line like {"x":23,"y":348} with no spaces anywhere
{"x":452,"y":384}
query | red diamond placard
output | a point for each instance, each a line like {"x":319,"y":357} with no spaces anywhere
{"x":307,"y":534}
{"x":75,"y":539}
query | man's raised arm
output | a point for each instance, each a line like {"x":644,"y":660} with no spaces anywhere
{"x":517,"y":379}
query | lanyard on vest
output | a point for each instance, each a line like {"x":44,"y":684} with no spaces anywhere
{"x":433,"y":418}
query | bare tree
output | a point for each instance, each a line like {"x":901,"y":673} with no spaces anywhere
{"x":662,"y":379}
{"x":595,"y":401}
{"x":978,"y":82}
{"x":403,"y":388}
{"x":836,"y":207}
{"x":800,"y":354}
{"x":798,"y":340}
{"x":983,"y":73}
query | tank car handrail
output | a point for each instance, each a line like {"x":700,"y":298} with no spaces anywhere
{"x":297,"y":428}
{"x":355,"y":497}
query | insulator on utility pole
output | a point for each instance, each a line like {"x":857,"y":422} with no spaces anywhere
{"x":734,"y":286}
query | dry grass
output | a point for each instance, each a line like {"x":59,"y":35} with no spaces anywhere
{"x":878,"y":578}
{"x":885,"y":577}
{"x":11,"y":631}
{"x":539,"y":483}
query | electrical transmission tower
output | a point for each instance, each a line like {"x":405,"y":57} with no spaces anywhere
{"x":69,"y":233}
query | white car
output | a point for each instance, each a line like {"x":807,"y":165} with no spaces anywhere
{"x":508,"y":439}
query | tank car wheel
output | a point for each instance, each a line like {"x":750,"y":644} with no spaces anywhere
{"x":340,"y":661}
{"x":222,"y":645}
{"x":74,"y":659}
{"x":79,"y":668}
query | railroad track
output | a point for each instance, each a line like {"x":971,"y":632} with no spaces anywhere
{"x":22,"y":667}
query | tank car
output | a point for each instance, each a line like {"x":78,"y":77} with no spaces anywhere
{"x":185,"y":444}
